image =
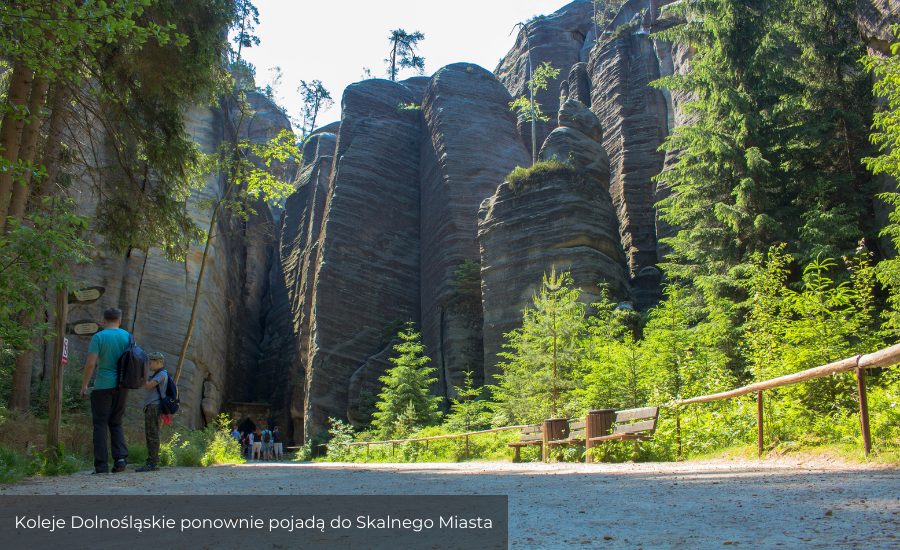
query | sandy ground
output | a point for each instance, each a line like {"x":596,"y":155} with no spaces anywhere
{"x":781,"y":503}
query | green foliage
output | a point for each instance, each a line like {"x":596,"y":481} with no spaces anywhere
{"x":467,"y":287}
{"x":773,"y":152}
{"x":406,"y":107}
{"x":469,"y":412}
{"x":526,"y":107}
{"x":521,"y":178}
{"x":341,"y":434}
{"x":34,"y":256}
{"x":315,"y":98}
{"x":538,"y":379}
{"x":206,"y":447}
{"x":886,"y":125}
{"x":403,"y":53}
{"x":407,"y":386}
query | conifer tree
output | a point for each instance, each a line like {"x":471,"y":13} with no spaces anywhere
{"x":537,"y":380}
{"x":403,"y":52}
{"x":407,"y":385}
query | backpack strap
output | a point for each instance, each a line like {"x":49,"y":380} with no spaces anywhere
{"x":161,"y":394}
{"x":120,"y":370}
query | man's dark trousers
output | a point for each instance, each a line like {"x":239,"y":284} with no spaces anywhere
{"x":107,"y":409}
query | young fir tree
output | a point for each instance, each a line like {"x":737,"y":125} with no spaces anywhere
{"x":538,"y":377}
{"x":407,"y":385}
{"x":469,"y":411}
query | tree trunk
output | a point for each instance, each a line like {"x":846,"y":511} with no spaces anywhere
{"x":20,"y":392}
{"x":27,"y":147}
{"x":11,"y":131}
{"x":54,"y":141}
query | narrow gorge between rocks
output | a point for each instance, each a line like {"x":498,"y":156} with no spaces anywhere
{"x":393,"y":199}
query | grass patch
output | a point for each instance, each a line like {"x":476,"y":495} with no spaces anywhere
{"x":521,"y":178}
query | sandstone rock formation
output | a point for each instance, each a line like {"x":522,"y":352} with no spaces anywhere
{"x":564,"y":221}
{"x":558,"y":38}
{"x":156,"y":295}
{"x":470,"y":144}
{"x":365,"y":386}
{"x":368,"y":268}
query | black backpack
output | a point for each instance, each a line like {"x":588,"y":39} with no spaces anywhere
{"x":130,"y":366}
{"x":266,"y":437}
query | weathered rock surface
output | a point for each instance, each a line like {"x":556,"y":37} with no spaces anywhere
{"x":577,"y":141}
{"x":470,"y":144}
{"x":634,"y":118}
{"x":526,"y":232}
{"x":368,"y":269}
{"x":557,"y":38}
{"x":874,"y":18}
{"x":156,"y":295}
{"x":365,"y":386}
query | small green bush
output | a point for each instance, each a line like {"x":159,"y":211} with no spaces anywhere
{"x":521,"y":178}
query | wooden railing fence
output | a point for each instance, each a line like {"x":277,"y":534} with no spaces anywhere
{"x":860,"y":363}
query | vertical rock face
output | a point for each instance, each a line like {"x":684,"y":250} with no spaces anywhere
{"x":564,"y":221}
{"x":156,"y":295}
{"x":557,"y":38}
{"x":525,"y":232}
{"x":634,"y":118}
{"x":288,"y":323}
{"x":368,"y":269}
{"x":365,"y":386}
{"x":470,"y":144}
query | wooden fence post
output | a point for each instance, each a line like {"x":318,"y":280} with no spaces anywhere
{"x":467,"y":446}
{"x":864,"y":409}
{"x":56,"y":371}
{"x":759,"y":423}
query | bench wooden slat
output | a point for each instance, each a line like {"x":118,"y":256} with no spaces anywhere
{"x":537,"y":428}
{"x":525,"y":443}
{"x":577,"y":426}
{"x":628,"y":437}
{"x":532,"y":437}
{"x":636,"y":414}
{"x":634,"y":427}
{"x":576,"y":435}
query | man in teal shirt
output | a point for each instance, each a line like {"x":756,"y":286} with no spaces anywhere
{"x":107,"y":400}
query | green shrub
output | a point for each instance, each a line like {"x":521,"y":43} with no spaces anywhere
{"x":521,"y":178}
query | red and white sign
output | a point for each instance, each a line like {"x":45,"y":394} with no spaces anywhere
{"x":65,"y":357}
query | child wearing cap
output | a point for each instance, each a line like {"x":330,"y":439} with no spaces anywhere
{"x":156,"y":381}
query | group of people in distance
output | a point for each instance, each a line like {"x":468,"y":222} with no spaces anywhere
{"x":260,"y":444}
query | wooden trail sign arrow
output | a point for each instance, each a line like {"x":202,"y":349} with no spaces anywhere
{"x":86,"y":296}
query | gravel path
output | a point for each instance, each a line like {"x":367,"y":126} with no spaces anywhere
{"x":699,"y":504}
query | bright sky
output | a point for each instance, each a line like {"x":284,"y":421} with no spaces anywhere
{"x":333,"y":41}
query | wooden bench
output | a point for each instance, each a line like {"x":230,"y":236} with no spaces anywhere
{"x":633,"y":424}
{"x":577,"y":427}
{"x":531,"y":435}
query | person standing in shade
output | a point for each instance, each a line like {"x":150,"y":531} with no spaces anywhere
{"x":249,"y":446}
{"x":155,"y":386}
{"x":107,"y":400}
{"x":257,"y":443}
{"x":279,"y":450}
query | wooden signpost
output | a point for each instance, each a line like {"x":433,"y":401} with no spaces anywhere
{"x":64,"y":298}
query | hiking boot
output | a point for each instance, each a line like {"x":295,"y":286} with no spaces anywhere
{"x":149,"y":467}
{"x":119,"y":466}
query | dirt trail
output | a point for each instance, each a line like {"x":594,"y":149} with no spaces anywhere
{"x":702,"y":504}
